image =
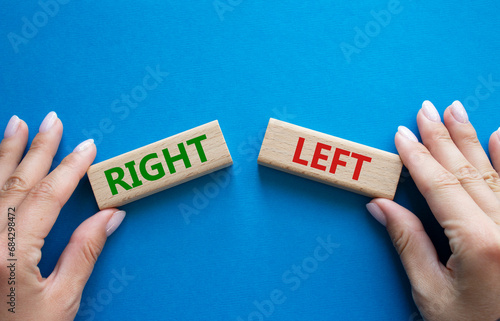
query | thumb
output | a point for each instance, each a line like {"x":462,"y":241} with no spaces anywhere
{"x":80,"y":255}
{"x":417,"y":253}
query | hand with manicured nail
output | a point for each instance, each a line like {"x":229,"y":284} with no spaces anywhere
{"x":30,"y":201}
{"x":462,"y":188}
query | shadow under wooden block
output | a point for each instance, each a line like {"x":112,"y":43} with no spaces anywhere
{"x":330,"y":160}
{"x":160,"y":165}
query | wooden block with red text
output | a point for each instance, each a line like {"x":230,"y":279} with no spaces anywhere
{"x":330,"y":160}
{"x":158,"y":166}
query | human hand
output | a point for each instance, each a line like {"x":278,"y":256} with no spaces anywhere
{"x":462,"y":188}
{"x":30,"y":201}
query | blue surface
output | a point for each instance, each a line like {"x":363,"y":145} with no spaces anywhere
{"x":255,"y":60}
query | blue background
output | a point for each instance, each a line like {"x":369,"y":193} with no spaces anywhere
{"x":243,"y":64}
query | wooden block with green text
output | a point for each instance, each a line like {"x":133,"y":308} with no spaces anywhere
{"x":160,"y":165}
{"x":330,"y":160}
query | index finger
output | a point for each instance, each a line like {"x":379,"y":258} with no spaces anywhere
{"x":45,"y":200}
{"x":452,"y":206}
{"x":12,"y":147}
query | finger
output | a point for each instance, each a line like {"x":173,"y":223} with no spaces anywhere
{"x":80,"y":255}
{"x":451,"y":204}
{"x":494,"y":148}
{"x":417,"y":253}
{"x":46,"y":199}
{"x":438,"y":141}
{"x":11,"y":151}
{"x":36,"y":164}
{"x":465,"y":138}
{"x":12,"y":147}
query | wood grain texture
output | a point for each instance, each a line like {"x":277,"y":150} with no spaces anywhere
{"x":203,"y":150}
{"x":330,"y":160}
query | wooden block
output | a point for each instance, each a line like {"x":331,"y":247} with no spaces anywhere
{"x":158,"y":166}
{"x":330,"y":160}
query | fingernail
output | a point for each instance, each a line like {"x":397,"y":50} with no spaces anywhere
{"x":458,"y":112}
{"x":48,"y":122}
{"x":405,"y":132}
{"x":12,"y":127}
{"x":114,"y":222}
{"x":430,"y":111}
{"x":377,"y":213}
{"x":83,"y":145}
